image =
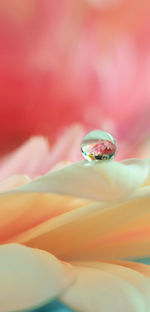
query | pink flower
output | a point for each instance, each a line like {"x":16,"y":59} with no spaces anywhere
{"x":87,"y":215}
{"x":74,"y":62}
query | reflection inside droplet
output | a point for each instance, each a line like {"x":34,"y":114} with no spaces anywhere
{"x":98,"y":145}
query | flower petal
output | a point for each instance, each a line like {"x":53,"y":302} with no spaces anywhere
{"x":35,"y":157}
{"x":13,"y":182}
{"x":86,"y":222}
{"x":21,"y":213}
{"x":66,"y":148}
{"x":102,"y":181}
{"x":26,"y":159}
{"x":30,"y":277}
{"x":130,"y":238}
{"x":139,"y":267}
{"x":108,"y":287}
{"x":95,"y":232}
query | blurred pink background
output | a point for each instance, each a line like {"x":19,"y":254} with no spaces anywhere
{"x":69,"y":62}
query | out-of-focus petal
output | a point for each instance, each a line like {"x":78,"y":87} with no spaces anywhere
{"x":61,"y":165}
{"x":137,"y":266}
{"x":108,"y":287}
{"x":13,"y":181}
{"x":104,"y":4}
{"x":21,"y":213}
{"x":86,"y":222}
{"x":35,"y":157}
{"x":81,"y":68}
{"x":102,"y":181}
{"x":66,"y":148}
{"x":27,"y":159}
{"x":147,"y":182}
{"x":30,"y":277}
{"x":94,"y":232}
{"x":131,"y":236}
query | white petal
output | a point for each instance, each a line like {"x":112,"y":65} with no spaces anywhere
{"x":108,"y":287}
{"x":30,"y":277}
{"x":102,"y":181}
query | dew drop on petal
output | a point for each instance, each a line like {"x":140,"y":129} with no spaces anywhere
{"x":98,"y":145}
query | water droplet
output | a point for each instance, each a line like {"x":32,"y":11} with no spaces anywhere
{"x":98,"y":145}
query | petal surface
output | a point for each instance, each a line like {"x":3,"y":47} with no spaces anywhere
{"x":22,"y":213}
{"x":44,"y":220}
{"x":108,"y":181}
{"x":130,"y":238}
{"x":13,"y":182}
{"x":27,"y":159}
{"x":108,"y":287}
{"x":30,"y":277}
{"x":35,"y":157}
{"x":66,"y":148}
{"x":96,"y":232}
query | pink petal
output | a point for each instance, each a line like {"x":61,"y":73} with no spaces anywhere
{"x":81,"y":68}
{"x":26,"y":159}
{"x":66,"y":148}
{"x":35,"y":157}
{"x":13,"y":182}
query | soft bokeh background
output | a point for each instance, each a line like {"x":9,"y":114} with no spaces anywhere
{"x":83,"y":62}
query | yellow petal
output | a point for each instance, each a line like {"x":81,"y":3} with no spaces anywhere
{"x":87,"y":233}
{"x":84,"y":221}
{"x":108,"y":287}
{"x":139,"y":267}
{"x":21,"y":213}
{"x":130,"y":238}
{"x":30,"y":277}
